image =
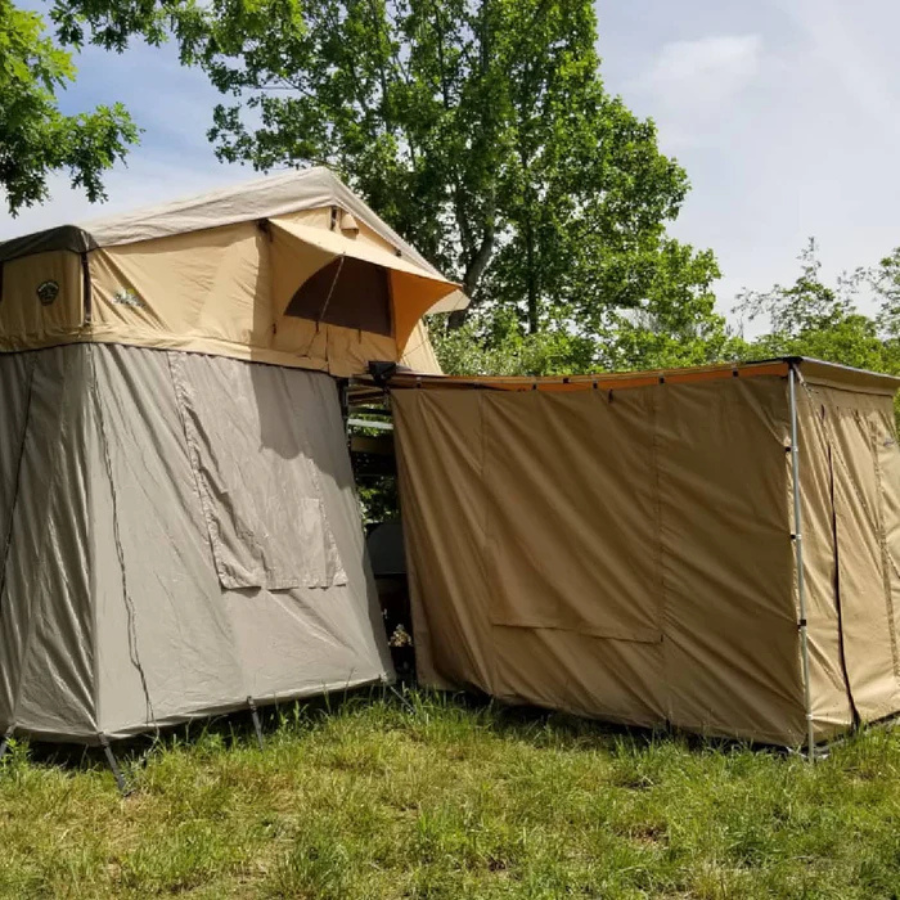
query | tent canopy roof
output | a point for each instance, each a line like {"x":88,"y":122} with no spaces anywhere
{"x":263,"y":198}
{"x":813,"y":370}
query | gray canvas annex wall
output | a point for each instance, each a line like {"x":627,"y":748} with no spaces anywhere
{"x":179,"y":533}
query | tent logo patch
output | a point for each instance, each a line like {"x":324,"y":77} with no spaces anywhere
{"x":47,"y":292}
{"x":124,"y":297}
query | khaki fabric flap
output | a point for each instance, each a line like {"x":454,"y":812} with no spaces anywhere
{"x":572,"y":532}
{"x":830,"y":698}
{"x":862,"y":440}
{"x":338,"y":244}
{"x":414,"y":290}
{"x":418,"y":354}
{"x":887,"y":457}
{"x":268,"y":528}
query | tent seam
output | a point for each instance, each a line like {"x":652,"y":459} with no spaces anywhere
{"x":130,"y":611}
{"x":485,"y":551}
{"x":194,"y":461}
{"x":660,"y":551}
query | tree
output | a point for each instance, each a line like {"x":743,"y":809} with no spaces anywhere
{"x":675,"y":324}
{"x":811,"y":318}
{"x":884,"y":280}
{"x":480,"y":129}
{"x":36,"y":139}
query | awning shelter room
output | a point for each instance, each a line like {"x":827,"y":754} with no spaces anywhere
{"x":627,"y":547}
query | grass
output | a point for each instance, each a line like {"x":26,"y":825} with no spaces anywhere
{"x":427,"y":797}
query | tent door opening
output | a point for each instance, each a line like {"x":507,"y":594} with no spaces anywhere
{"x":865,"y":485}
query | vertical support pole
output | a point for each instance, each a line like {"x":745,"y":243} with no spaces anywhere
{"x":256,"y":723}
{"x":344,"y":397}
{"x":4,"y":743}
{"x":111,"y":759}
{"x":798,"y":553}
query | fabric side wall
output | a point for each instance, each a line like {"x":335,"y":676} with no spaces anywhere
{"x":732,"y":662}
{"x":41,"y":300}
{"x":418,"y":354}
{"x":46,"y":623}
{"x":831,"y":708}
{"x":16,"y":374}
{"x":324,"y":638}
{"x":865,"y":462}
{"x":175,"y":641}
{"x":501,"y":594}
{"x":439,"y":459}
{"x":165,"y":644}
{"x":572,"y":535}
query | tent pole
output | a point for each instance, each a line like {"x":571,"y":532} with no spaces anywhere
{"x":4,"y":743}
{"x":111,"y":759}
{"x":256,"y":723}
{"x":798,"y":552}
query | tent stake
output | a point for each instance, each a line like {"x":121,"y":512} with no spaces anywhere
{"x":798,"y":551}
{"x":111,"y":759}
{"x":256,"y":723}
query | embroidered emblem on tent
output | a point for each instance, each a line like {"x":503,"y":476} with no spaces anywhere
{"x":47,"y":292}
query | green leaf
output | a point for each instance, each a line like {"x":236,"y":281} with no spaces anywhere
{"x":36,"y":139}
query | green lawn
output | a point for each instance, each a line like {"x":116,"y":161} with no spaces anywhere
{"x":423,"y":797}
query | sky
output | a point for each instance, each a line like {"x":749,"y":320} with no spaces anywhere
{"x":785,"y":114}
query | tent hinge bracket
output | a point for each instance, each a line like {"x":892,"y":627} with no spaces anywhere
{"x":257,"y":725}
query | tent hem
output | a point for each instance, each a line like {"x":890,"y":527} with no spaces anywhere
{"x":124,"y":732}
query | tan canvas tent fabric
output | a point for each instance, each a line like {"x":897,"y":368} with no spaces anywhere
{"x":293,"y":269}
{"x":626,"y":547}
{"x":419,"y":354}
{"x":179,"y":529}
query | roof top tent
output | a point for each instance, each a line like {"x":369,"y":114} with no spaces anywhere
{"x":179,"y":533}
{"x":717,"y":549}
{"x":293,"y":269}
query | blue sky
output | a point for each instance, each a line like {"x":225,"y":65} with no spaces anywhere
{"x":785,"y":113}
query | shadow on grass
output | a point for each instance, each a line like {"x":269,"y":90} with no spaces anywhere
{"x":230,"y":729}
{"x":403,"y":707}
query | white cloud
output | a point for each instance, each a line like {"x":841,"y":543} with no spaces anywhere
{"x":857,"y":60}
{"x":698,"y":78}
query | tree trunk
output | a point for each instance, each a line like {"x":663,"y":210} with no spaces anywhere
{"x":457,"y":319}
{"x":474,"y":271}
{"x":531,"y":281}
